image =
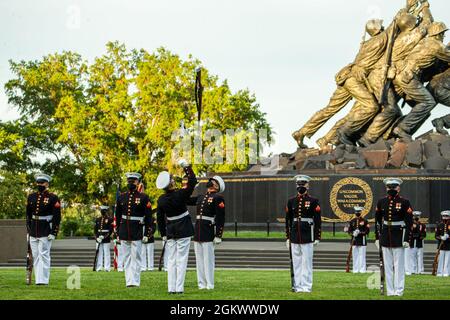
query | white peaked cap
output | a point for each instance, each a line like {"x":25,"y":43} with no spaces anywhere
{"x":163,"y":180}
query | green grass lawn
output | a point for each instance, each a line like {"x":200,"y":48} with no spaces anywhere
{"x":230,"y":284}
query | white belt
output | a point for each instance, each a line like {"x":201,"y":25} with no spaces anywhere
{"x":178,"y":216}
{"x":103,"y":230}
{"x":47,"y":218}
{"x":394,"y":223}
{"x":141,"y":219}
{"x":206,"y":218}
{"x":310,"y":220}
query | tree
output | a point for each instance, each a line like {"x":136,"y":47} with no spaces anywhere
{"x":12,"y":195}
{"x":94,"y":122}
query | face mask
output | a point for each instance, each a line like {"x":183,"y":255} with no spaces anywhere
{"x":103,"y":212}
{"x":358,"y":214}
{"x":301,"y":189}
{"x":209,"y":184}
{"x":392,"y":192}
{"x":417,"y":219}
{"x":131,"y":186}
{"x":41,"y":188}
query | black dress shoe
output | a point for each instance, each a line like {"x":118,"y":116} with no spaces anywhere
{"x":180,"y":292}
{"x":171,"y":292}
{"x":42,"y":284}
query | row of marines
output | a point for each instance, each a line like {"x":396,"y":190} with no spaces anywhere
{"x":396,"y":228}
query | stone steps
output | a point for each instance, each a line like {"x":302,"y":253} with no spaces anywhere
{"x":257,"y":259}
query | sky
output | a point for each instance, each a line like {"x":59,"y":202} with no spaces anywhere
{"x":286,"y":52}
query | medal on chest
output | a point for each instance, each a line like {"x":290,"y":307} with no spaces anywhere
{"x":307,"y":204}
{"x":137,"y":200}
{"x":46,"y":200}
{"x":398,"y":206}
{"x":210,"y":200}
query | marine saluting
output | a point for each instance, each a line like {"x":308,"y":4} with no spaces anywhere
{"x":209,"y":225}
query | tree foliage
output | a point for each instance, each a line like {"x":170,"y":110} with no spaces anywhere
{"x":89,"y":123}
{"x":12,"y":195}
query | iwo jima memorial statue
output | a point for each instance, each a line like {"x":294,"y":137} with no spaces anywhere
{"x":406,"y":62}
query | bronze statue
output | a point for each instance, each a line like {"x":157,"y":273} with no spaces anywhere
{"x":409,"y":36}
{"x":351,"y":82}
{"x":422,"y":56}
{"x":441,"y":123}
{"x":359,"y":116}
{"x":393,"y":64}
{"x":439,"y":87}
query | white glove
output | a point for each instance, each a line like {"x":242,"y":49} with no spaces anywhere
{"x":288,"y":243}
{"x":101,"y":237}
{"x":356,"y":233}
{"x":405,"y":244}
{"x":444,"y":237}
{"x":51,"y":237}
{"x":316,"y":242}
{"x":377,"y":244}
{"x":99,"y":240}
{"x":183,"y":163}
{"x":144,"y":239}
{"x":217,"y":240}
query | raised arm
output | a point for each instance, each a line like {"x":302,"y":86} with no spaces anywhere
{"x":191,"y":183}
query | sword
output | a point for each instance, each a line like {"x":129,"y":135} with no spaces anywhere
{"x":436,"y":259}
{"x":29,"y":261}
{"x":291,"y":262}
{"x":352,"y":243}
{"x":97,"y":249}
{"x":161,"y":258}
